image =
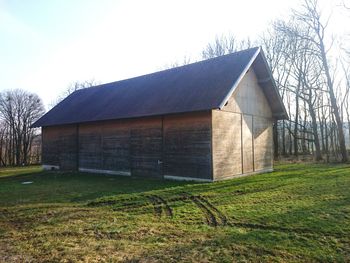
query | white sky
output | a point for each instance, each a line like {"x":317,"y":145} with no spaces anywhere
{"x":47,"y":44}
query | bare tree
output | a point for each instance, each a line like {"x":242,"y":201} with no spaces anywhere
{"x":310,"y":94}
{"x":224,"y":45}
{"x":309,"y":77}
{"x":298,"y":72}
{"x":77,"y":85}
{"x":346,"y":4}
{"x":279,"y":58}
{"x":3,"y":143}
{"x":345,"y":103}
{"x":18,"y":110}
{"x":306,"y":72}
{"x":185,"y":61}
{"x":311,"y":18}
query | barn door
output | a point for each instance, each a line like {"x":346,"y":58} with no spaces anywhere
{"x":146,"y":146}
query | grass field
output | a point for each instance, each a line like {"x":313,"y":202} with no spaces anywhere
{"x":299,"y":213}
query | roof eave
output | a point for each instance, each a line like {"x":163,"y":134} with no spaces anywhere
{"x":280,"y":116}
{"x":284,"y":114}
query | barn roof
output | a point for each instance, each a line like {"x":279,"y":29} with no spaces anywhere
{"x":198,"y":86}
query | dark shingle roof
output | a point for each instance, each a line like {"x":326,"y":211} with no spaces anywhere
{"x":199,"y":86}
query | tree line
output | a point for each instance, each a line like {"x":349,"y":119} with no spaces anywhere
{"x":312,"y":74}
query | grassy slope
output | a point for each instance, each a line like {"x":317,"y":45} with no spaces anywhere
{"x":297,"y":213}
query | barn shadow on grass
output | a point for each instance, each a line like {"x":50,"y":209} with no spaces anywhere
{"x":64,"y":187}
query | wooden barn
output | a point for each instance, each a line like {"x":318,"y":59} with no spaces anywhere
{"x":205,"y":121}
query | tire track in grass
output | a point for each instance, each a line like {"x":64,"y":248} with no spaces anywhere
{"x":156,"y":205}
{"x":160,"y":205}
{"x":221,"y":216}
{"x":210,"y":212}
{"x":166,"y":207}
{"x":212,"y":215}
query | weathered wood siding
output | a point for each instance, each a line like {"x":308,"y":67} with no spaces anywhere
{"x":105,"y":146}
{"x":242,"y":132}
{"x":124,"y":146}
{"x":175,"y":145}
{"x":146,"y":147}
{"x":249,"y":98}
{"x":247,"y":143}
{"x":187,"y":145}
{"x":227,"y":147}
{"x":263,"y":143}
{"x":59,"y":147}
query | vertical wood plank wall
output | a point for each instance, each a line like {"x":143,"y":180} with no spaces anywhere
{"x":242,"y":132}
{"x":146,"y":148}
{"x":227,"y":147}
{"x":247,"y":143}
{"x":176,"y":145}
{"x":187,"y":145}
{"x":263,"y":142}
{"x":59,"y":147}
{"x":105,"y":146}
{"x":126,"y":147}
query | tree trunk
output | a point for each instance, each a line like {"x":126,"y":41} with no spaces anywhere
{"x":334,"y":104}
{"x":296,"y":121}
{"x":284,"y":153}
{"x":318,"y":155}
{"x":275,"y":139}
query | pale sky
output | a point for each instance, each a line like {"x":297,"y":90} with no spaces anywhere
{"x":47,"y":44}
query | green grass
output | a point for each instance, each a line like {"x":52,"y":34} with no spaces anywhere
{"x":299,"y":213}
